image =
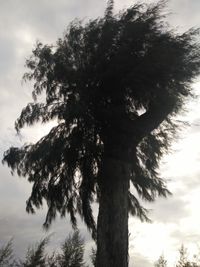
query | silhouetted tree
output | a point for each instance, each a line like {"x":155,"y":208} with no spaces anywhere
{"x":183,"y":259}
{"x":72,"y":252}
{"x":161,"y":262}
{"x":114,"y":85}
{"x":35,"y":256}
{"x":6,"y":255}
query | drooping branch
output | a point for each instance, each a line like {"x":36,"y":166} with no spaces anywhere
{"x":137,"y":127}
{"x":150,"y":120}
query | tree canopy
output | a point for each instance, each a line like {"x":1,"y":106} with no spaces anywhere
{"x":71,"y":254}
{"x":114,"y":85}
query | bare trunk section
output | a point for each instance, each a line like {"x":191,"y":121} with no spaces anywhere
{"x":112,"y":226}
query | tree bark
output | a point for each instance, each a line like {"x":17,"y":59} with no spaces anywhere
{"x":112,"y":225}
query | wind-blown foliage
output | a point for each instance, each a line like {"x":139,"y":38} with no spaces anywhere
{"x":114,"y":85}
{"x":35,"y":256}
{"x":72,"y":252}
{"x":161,"y":262}
{"x":183,"y":260}
{"x":6,"y":255}
{"x":70,"y":255}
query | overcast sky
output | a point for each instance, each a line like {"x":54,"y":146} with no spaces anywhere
{"x":176,"y":220}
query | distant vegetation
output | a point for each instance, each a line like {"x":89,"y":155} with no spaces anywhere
{"x":71,"y":254}
{"x":183,"y":260}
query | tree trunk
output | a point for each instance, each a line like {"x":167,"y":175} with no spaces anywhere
{"x":112,"y":226}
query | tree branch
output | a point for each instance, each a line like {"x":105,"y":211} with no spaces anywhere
{"x":150,"y":120}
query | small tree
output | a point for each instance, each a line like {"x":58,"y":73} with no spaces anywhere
{"x":183,"y":259}
{"x":72,"y":252}
{"x":182,"y":262}
{"x":161,"y":262}
{"x":71,"y":255}
{"x":35,"y":256}
{"x":6,"y":255}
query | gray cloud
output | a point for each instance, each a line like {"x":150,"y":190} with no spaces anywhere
{"x":169,"y":210}
{"x":185,"y":13}
{"x":184,"y":238}
{"x":140,"y":260}
{"x":47,"y":19}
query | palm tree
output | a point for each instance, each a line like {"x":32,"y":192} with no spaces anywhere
{"x":114,"y":85}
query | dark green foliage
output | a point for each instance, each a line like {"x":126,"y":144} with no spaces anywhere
{"x":52,"y":260}
{"x":35,"y":256}
{"x":72,"y":252}
{"x":93,"y":256}
{"x":114,"y":85}
{"x":71,"y":255}
{"x":6,"y":255}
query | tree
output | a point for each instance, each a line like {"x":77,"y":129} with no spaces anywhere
{"x":72,"y":252}
{"x":161,"y":262}
{"x":71,"y":255}
{"x":183,"y":259}
{"x":114,"y":85}
{"x":35,"y":256}
{"x":6,"y":255}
